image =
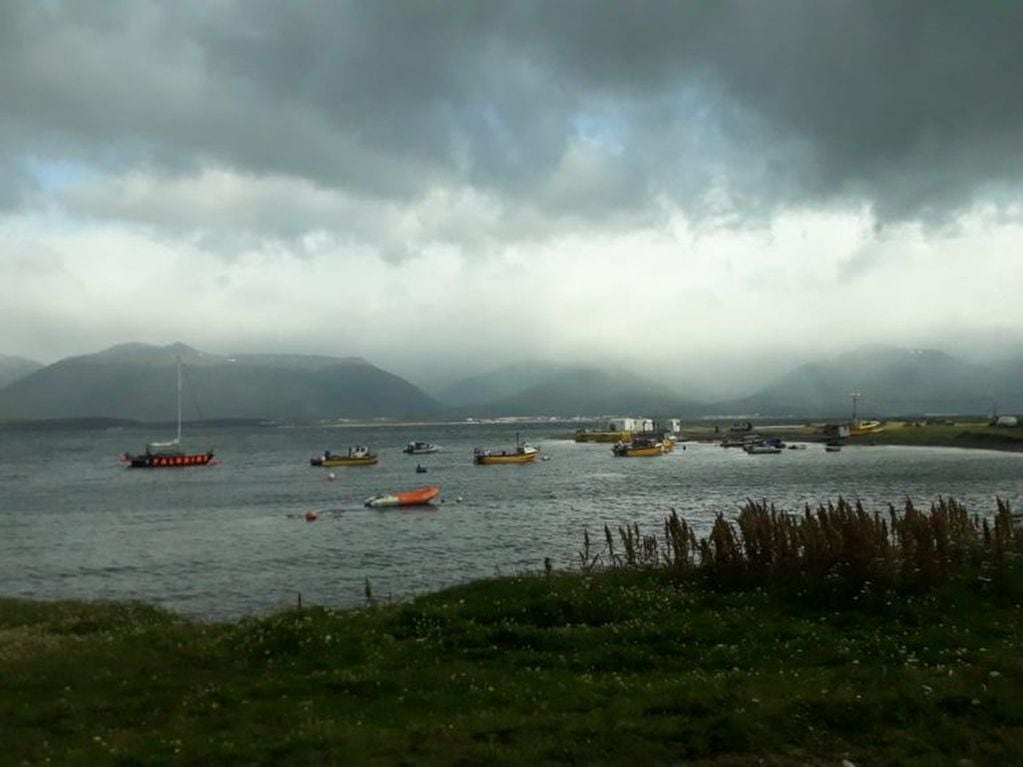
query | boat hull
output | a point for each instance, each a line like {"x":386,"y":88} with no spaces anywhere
{"x":420,"y":497}
{"x":484,"y":460}
{"x":184,"y":461}
{"x":638,"y":451}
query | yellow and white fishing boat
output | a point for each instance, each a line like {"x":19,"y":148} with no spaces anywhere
{"x":357,"y":456}
{"x":638,"y":448}
{"x":522,"y":453}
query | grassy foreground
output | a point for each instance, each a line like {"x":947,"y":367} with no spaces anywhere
{"x":667,"y":654}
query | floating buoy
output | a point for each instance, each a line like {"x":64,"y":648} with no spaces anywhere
{"x":331,"y":477}
{"x":458,"y":499}
{"x":310,"y":516}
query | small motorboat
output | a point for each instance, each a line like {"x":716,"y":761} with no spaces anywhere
{"x":420,"y":469}
{"x":421,"y":448}
{"x":833,"y":447}
{"x":420,"y":497}
{"x":357,"y":456}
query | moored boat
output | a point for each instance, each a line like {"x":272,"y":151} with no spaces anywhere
{"x":522,"y":453}
{"x":420,"y":497}
{"x":420,"y":448}
{"x":762,"y":449}
{"x":638,"y":448}
{"x":833,"y":447}
{"x":357,"y":456}
{"x":167,"y":455}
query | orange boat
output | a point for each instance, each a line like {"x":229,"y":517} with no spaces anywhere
{"x":419,"y":497}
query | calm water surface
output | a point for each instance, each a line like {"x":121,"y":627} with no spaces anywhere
{"x":228,"y":540}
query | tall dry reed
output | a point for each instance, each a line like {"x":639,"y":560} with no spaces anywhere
{"x":840,"y":540}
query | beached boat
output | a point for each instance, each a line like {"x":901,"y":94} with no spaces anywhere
{"x":638,"y":448}
{"x":862,"y":428}
{"x":420,"y":497}
{"x":522,"y":453}
{"x":167,"y":455}
{"x":357,"y":456}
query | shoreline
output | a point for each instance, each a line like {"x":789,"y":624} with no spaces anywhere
{"x":971,"y":435}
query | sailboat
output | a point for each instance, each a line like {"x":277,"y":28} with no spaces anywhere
{"x":167,"y":455}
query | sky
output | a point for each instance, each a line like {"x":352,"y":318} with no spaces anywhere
{"x":708,"y":191}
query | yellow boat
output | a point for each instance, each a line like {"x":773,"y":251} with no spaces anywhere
{"x":357,"y":456}
{"x":639,"y":448}
{"x":521,"y":454}
{"x":861,"y":428}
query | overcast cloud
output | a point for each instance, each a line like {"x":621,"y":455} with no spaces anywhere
{"x":445,"y":186}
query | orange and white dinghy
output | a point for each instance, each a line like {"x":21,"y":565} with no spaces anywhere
{"x":420,"y":497}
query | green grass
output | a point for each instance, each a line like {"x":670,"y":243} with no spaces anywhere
{"x":641,"y":663}
{"x":968,"y":434}
{"x":965,"y":434}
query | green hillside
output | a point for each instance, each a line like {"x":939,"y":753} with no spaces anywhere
{"x":138,"y":381}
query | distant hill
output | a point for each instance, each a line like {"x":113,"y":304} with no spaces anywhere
{"x":550,"y":389}
{"x":891,"y":382}
{"x":13,"y":368}
{"x":139,"y":381}
{"x":499,"y":384}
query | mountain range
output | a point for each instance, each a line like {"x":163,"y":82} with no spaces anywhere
{"x":138,"y":382}
{"x":13,"y":368}
{"x":888,"y":382}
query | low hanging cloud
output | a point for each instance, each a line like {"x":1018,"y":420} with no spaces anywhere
{"x":465,"y":160}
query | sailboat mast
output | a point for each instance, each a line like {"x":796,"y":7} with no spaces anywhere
{"x":179,"y":400}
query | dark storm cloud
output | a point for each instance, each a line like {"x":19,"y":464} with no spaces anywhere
{"x":573,"y":108}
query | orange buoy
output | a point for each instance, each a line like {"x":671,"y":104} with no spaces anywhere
{"x":310,"y":516}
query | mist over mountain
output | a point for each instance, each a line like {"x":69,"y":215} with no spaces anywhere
{"x":567,"y":390}
{"x":499,"y":384}
{"x":12,"y":368}
{"x":139,"y":381}
{"x":890,"y":382}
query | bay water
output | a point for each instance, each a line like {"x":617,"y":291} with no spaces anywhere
{"x":228,"y":540}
